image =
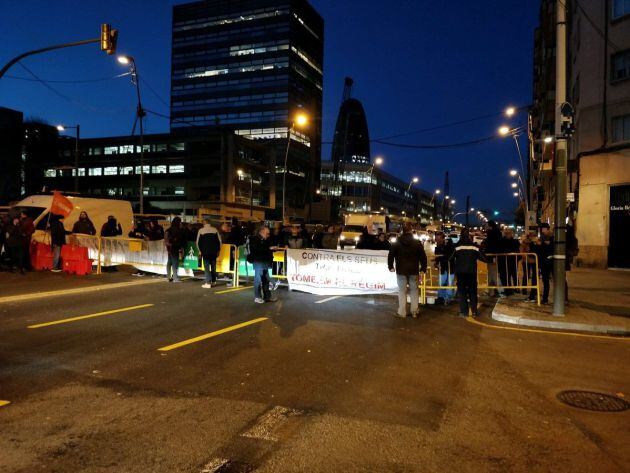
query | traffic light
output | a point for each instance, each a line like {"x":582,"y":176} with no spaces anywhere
{"x":496,"y":212}
{"x":109,"y":37}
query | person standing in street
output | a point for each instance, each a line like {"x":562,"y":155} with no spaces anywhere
{"x":330,"y":239}
{"x":57,"y":240}
{"x":407,"y":259}
{"x":155,"y":231}
{"x":296,"y":241}
{"x":528,"y":262}
{"x":464,"y":263}
{"x":444,"y":249}
{"x":493,"y":247}
{"x":209,"y":246}
{"x":111,"y":228}
{"x":261,"y":257}
{"x":84,"y":225}
{"x":545,"y":258}
{"x":15,"y":245}
{"x":27,"y":228}
{"x":174,"y":240}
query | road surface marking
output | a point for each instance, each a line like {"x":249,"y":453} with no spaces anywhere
{"x":212,"y":334}
{"x":234,"y":289}
{"x":78,"y":290}
{"x":213,"y":465}
{"x":531,"y":330}
{"x":4,"y":403}
{"x":90,"y":316}
{"x":328,"y":299}
{"x":269,"y":422}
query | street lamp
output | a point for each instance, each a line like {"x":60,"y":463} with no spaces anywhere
{"x":514,"y":185}
{"x":548,"y":139}
{"x":300,"y":120}
{"x":140,"y":114}
{"x":76,"y":152}
{"x":510,"y":111}
{"x":413,"y":181}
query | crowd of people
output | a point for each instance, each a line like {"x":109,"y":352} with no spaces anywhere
{"x":456,"y":264}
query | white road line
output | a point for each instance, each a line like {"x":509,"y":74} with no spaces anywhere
{"x":328,"y":299}
{"x":213,"y":465}
{"x":269,"y":422}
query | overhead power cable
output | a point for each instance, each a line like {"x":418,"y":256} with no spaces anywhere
{"x":77,"y":81}
{"x":153,"y":91}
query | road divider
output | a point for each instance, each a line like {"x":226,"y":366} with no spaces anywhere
{"x":200,"y":338}
{"x":90,"y":316}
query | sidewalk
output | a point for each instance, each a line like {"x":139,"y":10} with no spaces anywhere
{"x":599,"y":302}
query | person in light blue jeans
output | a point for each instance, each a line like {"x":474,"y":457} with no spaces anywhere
{"x":444,"y":249}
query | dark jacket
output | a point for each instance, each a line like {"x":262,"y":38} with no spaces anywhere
{"x":296,"y":242}
{"x":544,"y":250}
{"x":57,"y":233}
{"x":510,"y":245}
{"x":209,"y":241}
{"x":155,"y":233}
{"x":409,"y":256}
{"x":15,"y":238}
{"x":382,"y":245}
{"x":443,"y":255}
{"x":465,"y":257}
{"x":111,"y":229}
{"x":493,"y":241}
{"x":84,"y":226}
{"x":174,"y":239}
{"x":260,"y":250}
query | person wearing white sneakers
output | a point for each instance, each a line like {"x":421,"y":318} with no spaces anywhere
{"x":209,"y":246}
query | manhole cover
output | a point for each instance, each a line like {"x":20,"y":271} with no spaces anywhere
{"x":592,"y":401}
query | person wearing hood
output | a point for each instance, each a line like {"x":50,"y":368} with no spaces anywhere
{"x":111,"y":228}
{"x":464,"y":263}
{"x":84,"y":225}
{"x":407,"y":259}
{"x":174,"y":241}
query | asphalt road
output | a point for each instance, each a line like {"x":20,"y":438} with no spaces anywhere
{"x":338,"y":386}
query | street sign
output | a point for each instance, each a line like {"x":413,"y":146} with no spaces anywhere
{"x":191,"y":256}
{"x":570,"y":196}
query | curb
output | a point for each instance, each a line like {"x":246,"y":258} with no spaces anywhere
{"x":552,"y":324}
{"x":78,"y":290}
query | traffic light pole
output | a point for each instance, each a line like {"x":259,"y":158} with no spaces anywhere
{"x":560,"y":166}
{"x":8,"y":65}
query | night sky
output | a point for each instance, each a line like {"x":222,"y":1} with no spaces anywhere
{"x":416,"y":64}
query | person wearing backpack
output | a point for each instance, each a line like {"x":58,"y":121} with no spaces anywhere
{"x":174,"y":240}
{"x":209,"y":246}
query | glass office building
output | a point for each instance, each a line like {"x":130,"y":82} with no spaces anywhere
{"x":249,"y":66}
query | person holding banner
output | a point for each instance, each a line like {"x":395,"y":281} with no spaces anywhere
{"x":407,"y":259}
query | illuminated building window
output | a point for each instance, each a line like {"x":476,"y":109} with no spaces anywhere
{"x":110,"y":171}
{"x":95,"y":172}
{"x":176,"y":169}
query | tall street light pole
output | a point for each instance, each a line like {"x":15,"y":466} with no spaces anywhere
{"x":251,"y":190}
{"x":77,"y":128}
{"x":404,"y":200}
{"x":300,"y":120}
{"x":560,"y":164}
{"x":140,"y":114}
{"x":437,"y":192}
{"x":377,"y":162}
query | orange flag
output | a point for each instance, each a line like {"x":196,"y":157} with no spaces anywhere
{"x":60,"y":205}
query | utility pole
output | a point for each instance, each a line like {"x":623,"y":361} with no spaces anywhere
{"x":76,"y":159}
{"x":560,"y":164}
{"x":467,"y":209}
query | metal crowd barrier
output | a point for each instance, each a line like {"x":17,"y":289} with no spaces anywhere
{"x":278,"y":266}
{"x":107,"y":251}
{"x":503,"y":271}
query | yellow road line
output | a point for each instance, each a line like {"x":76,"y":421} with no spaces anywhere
{"x":4,"y":403}
{"x":530,"y":330}
{"x":212,"y":334}
{"x":90,"y":316}
{"x":78,"y":290}
{"x":234,"y":289}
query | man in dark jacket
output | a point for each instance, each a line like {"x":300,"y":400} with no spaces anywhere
{"x":545,"y":258}
{"x":444,"y":249}
{"x":84,"y":225}
{"x":27,"y":228}
{"x":493,"y":246}
{"x":508,"y":264}
{"x":174,"y":240}
{"x":57,"y":240}
{"x":155,"y":231}
{"x":111,"y":228}
{"x":261,"y":257}
{"x":209,"y":245}
{"x":407,"y":258}
{"x":464,"y":264}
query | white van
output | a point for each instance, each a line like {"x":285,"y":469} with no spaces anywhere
{"x":38,"y":207}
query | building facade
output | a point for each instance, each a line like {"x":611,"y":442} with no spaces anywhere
{"x":249,"y":67}
{"x":364,"y":188}
{"x":598,"y":86}
{"x":182,"y":173}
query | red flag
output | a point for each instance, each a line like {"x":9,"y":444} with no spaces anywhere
{"x":60,"y":205}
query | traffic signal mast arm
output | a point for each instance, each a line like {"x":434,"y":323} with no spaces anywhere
{"x":107,"y":39}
